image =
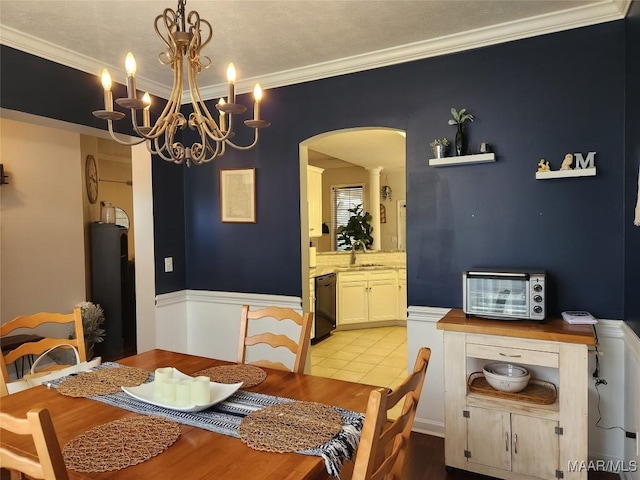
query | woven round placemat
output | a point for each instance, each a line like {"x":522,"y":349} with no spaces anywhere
{"x":119,"y":444}
{"x":289,"y":427}
{"x":250,"y":375}
{"x":102,"y":382}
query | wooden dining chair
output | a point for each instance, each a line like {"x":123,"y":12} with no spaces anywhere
{"x":50,"y":464}
{"x":383,"y":442}
{"x":39,"y":347}
{"x":299,"y":348}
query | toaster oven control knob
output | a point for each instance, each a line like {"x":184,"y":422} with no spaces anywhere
{"x":537,"y":309}
{"x":537,"y":287}
{"x":537,"y":299}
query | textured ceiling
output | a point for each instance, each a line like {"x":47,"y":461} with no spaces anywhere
{"x":283,"y":42}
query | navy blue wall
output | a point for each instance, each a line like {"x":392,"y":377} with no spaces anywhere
{"x":535,"y":98}
{"x":632,"y":170}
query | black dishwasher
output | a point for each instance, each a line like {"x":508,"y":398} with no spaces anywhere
{"x":325,"y":307}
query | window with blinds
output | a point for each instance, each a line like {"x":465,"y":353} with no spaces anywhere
{"x":344,"y":198}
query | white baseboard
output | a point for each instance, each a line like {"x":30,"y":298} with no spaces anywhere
{"x":428,"y":427}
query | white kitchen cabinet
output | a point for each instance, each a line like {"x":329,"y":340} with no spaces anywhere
{"x":312,"y":302}
{"x":367,"y":296}
{"x":402,"y":294}
{"x":314,"y":200}
{"x":507,"y":436}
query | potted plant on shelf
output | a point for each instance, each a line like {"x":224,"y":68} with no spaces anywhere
{"x":357,"y":230}
{"x":440,"y":147}
{"x":459,"y":117}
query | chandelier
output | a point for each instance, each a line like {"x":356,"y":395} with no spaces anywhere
{"x":185,"y":37}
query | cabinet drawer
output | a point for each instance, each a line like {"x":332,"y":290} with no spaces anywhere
{"x":352,"y":277}
{"x":516,"y":355}
{"x":382,"y":275}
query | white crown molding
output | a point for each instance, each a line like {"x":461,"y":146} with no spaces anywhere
{"x":603,"y":11}
{"x":40,"y":48}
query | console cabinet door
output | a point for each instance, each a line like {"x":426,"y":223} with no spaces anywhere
{"x":489,"y":437}
{"x":535,"y":446}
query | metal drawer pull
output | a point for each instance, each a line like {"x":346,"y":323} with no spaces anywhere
{"x":510,"y":356}
{"x":515,"y":443}
{"x":506,"y":441}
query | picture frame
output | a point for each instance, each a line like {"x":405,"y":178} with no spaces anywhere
{"x":238,"y":195}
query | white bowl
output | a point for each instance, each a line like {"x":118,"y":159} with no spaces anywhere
{"x":506,"y":377}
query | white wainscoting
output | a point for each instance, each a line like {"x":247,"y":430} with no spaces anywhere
{"x":422,"y":332}
{"x":619,"y":399}
{"x":207,"y":323}
{"x":631,"y":399}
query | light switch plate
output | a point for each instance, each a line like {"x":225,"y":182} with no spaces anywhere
{"x":168,"y":264}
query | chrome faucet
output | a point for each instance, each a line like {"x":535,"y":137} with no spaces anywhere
{"x":353,"y":250}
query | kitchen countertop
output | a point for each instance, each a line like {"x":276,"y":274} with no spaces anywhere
{"x":364,"y":267}
{"x":551,"y":329}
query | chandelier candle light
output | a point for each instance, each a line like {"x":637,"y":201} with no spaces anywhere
{"x":184,"y":38}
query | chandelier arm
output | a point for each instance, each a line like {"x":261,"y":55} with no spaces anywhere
{"x":172,"y":106}
{"x":123,"y":142}
{"x":247,"y":147}
{"x":200,"y":108}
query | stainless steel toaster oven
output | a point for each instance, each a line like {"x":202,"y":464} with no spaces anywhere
{"x":505,"y":294}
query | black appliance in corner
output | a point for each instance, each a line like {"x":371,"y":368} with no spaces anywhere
{"x":325,"y":307}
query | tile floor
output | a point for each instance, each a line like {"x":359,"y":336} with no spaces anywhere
{"x":375,"y":356}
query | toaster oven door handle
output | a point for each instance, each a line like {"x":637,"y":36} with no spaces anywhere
{"x":498,"y":275}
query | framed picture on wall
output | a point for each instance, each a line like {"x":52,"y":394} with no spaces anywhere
{"x":238,"y":195}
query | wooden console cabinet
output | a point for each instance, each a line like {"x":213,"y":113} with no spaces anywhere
{"x":505,"y":436}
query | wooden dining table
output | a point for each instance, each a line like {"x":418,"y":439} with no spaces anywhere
{"x":198,"y":453}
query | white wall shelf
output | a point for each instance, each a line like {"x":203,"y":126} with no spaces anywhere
{"x":576,"y":172}
{"x":462,"y":160}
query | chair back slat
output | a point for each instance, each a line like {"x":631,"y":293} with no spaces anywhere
{"x":299,"y":348}
{"x":383,"y":443}
{"x":50,"y":464}
{"x":37,"y":348}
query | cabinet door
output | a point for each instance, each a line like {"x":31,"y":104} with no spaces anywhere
{"x":489,"y":438}
{"x":535,"y":446}
{"x":402,"y":294}
{"x":383,"y":300}
{"x":352,"y":302}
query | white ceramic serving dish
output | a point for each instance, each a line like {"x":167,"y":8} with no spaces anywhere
{"x":218,"y":393}
{"x":506,"y":377}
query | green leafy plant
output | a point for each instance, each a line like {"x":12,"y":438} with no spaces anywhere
{"x":460,"y":117}
{"x":444,"y":142}
{"x":357,"y":228}
{"x":92,"y":320}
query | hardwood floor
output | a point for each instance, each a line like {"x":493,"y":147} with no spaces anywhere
{"x":425,"y":461}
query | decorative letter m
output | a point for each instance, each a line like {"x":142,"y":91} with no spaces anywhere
{"x":582,"y":162}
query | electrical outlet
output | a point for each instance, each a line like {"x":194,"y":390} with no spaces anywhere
{"x":168,"y":264}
